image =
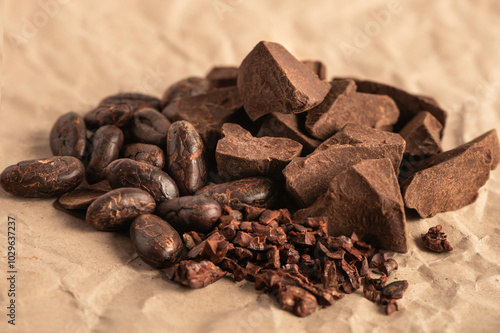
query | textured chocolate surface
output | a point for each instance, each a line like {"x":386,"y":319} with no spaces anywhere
{"x":155,"y":241}
{"x":207,"y":112}
{"x":43,"y":178}
{"x":422,"y":135}
{"x":221,"y":77}
{"x":344,"y":105}
{"x":68,"y":136}
{"x":270,"y":79}
{"x":317,"y":67}
{"x":308,"y":177}
{"x":186,"y":157}
{"x":116,"y":209}
{"x":239,"y":154}
{"x":287,"y":125}
{"x":364,"y":199}
{"x":451,"y":180}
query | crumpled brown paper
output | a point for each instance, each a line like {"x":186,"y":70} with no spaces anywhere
{"x":65,"y":55}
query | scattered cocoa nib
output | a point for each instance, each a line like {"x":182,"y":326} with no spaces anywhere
{"x":394,"y":290}
{"x":435,"y":240}
{"x":371,"y":292}
{"x":194,"y":274}
{"x":297,"y":300}
{"x":391,"y":307}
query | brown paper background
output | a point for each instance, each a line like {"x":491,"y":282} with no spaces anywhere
{"x":74,"y":279}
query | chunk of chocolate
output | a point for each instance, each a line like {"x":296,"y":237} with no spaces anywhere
{"x":308,"y":177}
{"x":451,"y":180}
{"x":206,"y":112}
{"x":364,"y":199}
{"x":435,"y":240}
{"x":344,"y":105}
{"x":221,"y":77}
{"x":190,"y":86}
{"x":270,"y":79}
{"x":317,"y":67}
{"x":422,"y":135}
{"x":239,"y":154}
{"x":287,"y":125}
{"x":408,"y":104}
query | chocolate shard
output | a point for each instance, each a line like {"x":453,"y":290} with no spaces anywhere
{"x":422,"y":135}
{"x":190,"y":86}
{"x":221,"y":77}
{"x":308,"y":177}
{"x":451,"y":180}
{"x":408,"y":104}
{"x":206,"y":112}
{"x":344,"y":105}
{"x":239,"y":154}
{"x":270,"y":79}
{"x":364,"y":199}
{"x":287,"y":125}
{"x":317,"y":67}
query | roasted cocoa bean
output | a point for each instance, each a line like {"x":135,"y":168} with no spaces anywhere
{"x":43,"y":178}
{"x":191,"y":86}
{"x":125,"y":172}
{"x":68,"y":136}
{"x":256,"y":191}
{"x":191,"y":213}
{"x":116,"y":209}
{"x":155,"y":241}
{"x":83,"y":196}
{"x":136,"y":100}
{"x":106,"y":144}
{"x":150,"y":126}
{"x":185,"y":155}
{"x":109,"y":114}
{"x":142,"y":152}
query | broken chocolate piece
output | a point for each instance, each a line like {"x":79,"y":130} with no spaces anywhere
{"x":422,"y":135}
{"x":435,"y":240}
{"x":206,"y":112}
{"x":364,"y":199}
{"x":270,"y":79}
{"x":344,"y":105}
{"x":408,"y":104}
{"x":191,"y":86}
{"x":239,"y":154}
{"x":297,"y":300}
{"x":308,"y":177}
{"x":221,"y":77}
{"x":194,"y":274}
{"x":286,"y":125}
{"x":317,"y":67}
{"x":451,"y":180}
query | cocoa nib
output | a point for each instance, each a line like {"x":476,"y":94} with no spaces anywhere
{"x":435,"y":240}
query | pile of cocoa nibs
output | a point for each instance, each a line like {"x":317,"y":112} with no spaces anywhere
{"x":264,"y":172}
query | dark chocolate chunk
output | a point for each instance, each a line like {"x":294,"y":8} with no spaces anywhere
{"x":207,"y":112}
{"x":221,"y":77}
{"x":191,"y":213}
{"x":364,"y":199}
{"x":451,"y":180}
{"x":435,"y":240}
{"x":136,"y":100}
{"x":270,"y":79}
{"x":125,"y":172}
{"x":409,"y":105}
{"x":106,"y":144}
{"x":239,"y":154}
{"x":116,"y":209}
{"x":297,"y":300}
{"x":190,"y":86}
{"x":150,"y":126}
{"x":83,"y":196}
{"x":43,"y":178}
{"x":287,"y":125}
{"x":155,"y":241}
{"x":317,"y":67}
{"x":238,"y":194}
{"x":186,"y":157}
{"x":146,"y":153}
{"x":308,"y":177}
{"x":344,"y":105}
{"x":194,"y":274}
{"x":422,"y":135}
{"x":68,"y":136}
